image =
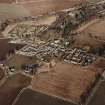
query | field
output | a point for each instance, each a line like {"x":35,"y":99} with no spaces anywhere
{"x":2,"y":74}
{"x":99,"y":96}
{"x":66,"y":81}
{"x":29,"y":96}
{"x":98,"y":65}
{"x":97,"y":29}
{"x":92,"y":35}
{"x":12,"y":11}
{"x":6,"y":1}
{"x":11,"y":88}
{"x":37,"y":7}
{"x":46,"y":6}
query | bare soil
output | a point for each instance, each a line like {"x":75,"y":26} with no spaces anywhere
{"x":99,"y":96}
{"x":45,"y":6}
{"x":6,"y":1}
{"x":98,"y":65}
{"x":92,"y":35}
{"x":36,"y":98}
{"x":2,"y":74}
{"x":37,"y":7}
{"x":66,"y":81}
{"x":11,"y":88}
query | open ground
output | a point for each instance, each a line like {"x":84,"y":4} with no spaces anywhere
{"x":11,"y":88}
{"x":91,"y":35}
{"x":65,"y":81}
{"x":37,"y":7}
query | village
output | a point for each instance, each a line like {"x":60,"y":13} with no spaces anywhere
{"x":58,"y":55}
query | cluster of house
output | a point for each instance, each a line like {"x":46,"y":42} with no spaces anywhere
{"x":79,"y":56}
{"x":25,"y":31}
{"x":7,"y":69}
{"x":30,"y":68}
{"x":42,"y":51}
{"x":52,"y":49}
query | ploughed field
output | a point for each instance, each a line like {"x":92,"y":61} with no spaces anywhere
{"x":99,"y":96}
{"x":6,"y":1}
{"x":2,"y":74}
{"x":36,"y":7}
{"x":66,"y":81}
{"x":91,"y":34}
{"x":11,"y":88}
{"x":36,"y":98}
{"x":44,"y":6}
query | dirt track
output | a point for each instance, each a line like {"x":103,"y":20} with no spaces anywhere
{"x":30,"y":97}
{"x":1,"y":73}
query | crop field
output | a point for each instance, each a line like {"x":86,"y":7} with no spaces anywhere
{"x":11,"y":88}
{"x":2,"y":74}
{"x":36,"y":7}
{"x":12,"y":11}
{"x":6,"y":1}
{"x":29,"y":96}
{"x":66,"y":81}
{"x":99,"y":95}
{"x":91,"y":35}
{"x":45,"y":6}
{"x":23,"y":8}
{"x":95,"y":30}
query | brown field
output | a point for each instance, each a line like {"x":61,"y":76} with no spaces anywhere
{"x":37,"y":7}
{"x":11,"y":88}
{"x":5,"y":47}
{"x":99,"y":96}
{"x":6,"y":1}
{"x":66,"y":81}
{"x":92,"y":35}
{"x":97,"y":29}
{"x":36,"y":98}
{"x":98,"y":65}
{"x":12,"y":11}
{"x":2,"y":74}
